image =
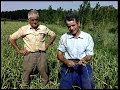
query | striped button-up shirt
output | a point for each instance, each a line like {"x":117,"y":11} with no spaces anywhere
{"x":34,"y":39}
{"x":76,"y":48}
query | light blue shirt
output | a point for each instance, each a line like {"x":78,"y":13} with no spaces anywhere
{"x":76,"y":48}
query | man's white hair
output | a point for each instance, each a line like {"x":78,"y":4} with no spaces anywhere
{"x":33,"y":13}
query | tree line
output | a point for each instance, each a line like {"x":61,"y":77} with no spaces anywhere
{"x":87,"y":15}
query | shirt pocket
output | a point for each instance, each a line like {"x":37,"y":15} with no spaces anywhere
{"x":81,"y":49}
{"x":29,"y":37}
{"x":41,"y":37}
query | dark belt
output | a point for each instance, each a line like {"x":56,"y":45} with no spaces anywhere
{"x":75,"y":60}
{"x":37,"y":51}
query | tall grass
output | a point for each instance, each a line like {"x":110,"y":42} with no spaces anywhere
{"x":104,"y":63}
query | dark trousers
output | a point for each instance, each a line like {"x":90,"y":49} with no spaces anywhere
{"x":31,"y":62}
{"x":79,"y":75}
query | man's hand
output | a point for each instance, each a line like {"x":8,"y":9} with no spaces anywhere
{"x":70,"y":63}
{"x":82,"y":62}
{"x":24,"y":51}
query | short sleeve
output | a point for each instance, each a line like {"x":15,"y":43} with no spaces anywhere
{"x":50,"y":32}
{"x":89,"y":49}
{"x":61,"y":45}
{"x":17,"y":34}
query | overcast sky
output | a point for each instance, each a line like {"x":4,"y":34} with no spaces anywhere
{"x":19,"y":5}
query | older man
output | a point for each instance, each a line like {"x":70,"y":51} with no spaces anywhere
{"x":35,"y":47}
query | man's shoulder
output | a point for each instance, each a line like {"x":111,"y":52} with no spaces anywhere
{"x":85,"y":33}
{"x":65,"y":34}
{"x":42,"y":26}
{"x":25,"y":26}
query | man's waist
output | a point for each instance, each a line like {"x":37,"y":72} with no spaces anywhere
{"x":75,"y":60}
{"x":39,"y":51}
{"x":34,"y":48}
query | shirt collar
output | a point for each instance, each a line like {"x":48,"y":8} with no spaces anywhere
{"x":31,"y":28}
{"x":81,"y":36}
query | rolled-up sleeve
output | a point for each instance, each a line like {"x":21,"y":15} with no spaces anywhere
{"x":50,"y":32}
{"x":89,"y":49}
{"x":61,"y":46}
{"x":17,"y":34}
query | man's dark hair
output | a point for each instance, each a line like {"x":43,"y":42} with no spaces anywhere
{"x":71,"y":17}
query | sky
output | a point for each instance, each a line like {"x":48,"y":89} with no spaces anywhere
{"x":19,"y":5}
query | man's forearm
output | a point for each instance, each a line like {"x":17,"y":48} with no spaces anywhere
{"x":87,"y":58}
{"x":61,"y":57}
{"x":14,"y":44}
{"x":50,"y":41}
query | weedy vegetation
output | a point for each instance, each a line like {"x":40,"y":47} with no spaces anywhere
{"x":104,"y":63}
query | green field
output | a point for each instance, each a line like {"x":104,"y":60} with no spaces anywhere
{"x":104,"y":63}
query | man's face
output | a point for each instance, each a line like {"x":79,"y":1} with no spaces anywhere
{"x":34,"y":21}
{"x":73,"y":26}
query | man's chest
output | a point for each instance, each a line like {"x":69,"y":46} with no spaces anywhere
{"x":76,"y":44}
{"x":34,"y":36}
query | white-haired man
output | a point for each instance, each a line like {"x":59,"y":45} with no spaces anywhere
{"x":35,"y":47}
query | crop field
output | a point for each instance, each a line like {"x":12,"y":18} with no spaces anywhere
{"x":104,"y":63}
